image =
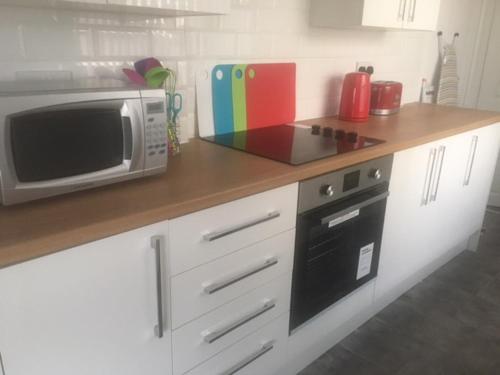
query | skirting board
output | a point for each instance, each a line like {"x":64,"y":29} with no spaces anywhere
{"x":494,"y":199}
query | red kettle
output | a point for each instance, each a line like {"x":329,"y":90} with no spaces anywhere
{"x":355,"y":99}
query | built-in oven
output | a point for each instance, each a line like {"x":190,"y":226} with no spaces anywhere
{"x":339,"y":230}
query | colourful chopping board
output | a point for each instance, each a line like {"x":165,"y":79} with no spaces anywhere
{"x":270,"y":94}
{"x":222,"y":98}
{"x":204,"y":107}
{"x":239,"y":97}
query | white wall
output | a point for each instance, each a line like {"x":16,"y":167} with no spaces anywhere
{"x":88,"y":44}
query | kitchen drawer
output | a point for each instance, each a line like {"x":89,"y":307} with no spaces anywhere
{"x":198,"y":238}
{"x":211,"y":285}
{"x":261,"y":353}
{"x":203,"y":338}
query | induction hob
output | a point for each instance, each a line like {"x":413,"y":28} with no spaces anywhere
{"x":294,"y":143}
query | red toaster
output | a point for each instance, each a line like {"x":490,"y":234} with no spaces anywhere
{"x":385,"y":98}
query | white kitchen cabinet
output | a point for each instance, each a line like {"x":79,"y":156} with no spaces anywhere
{"x":478,"y":150}
{"x":209,"y":234}
{"x":91,"y":309}
{"x":198,"y":291}
{"x":261,"y":353}
{"x":432,"y":210}
{"x":421,"y":14}
{"x":386,"y":14}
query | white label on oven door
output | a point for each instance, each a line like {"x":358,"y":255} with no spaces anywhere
{"x":365,"y":260}
{"x":343,"y":219}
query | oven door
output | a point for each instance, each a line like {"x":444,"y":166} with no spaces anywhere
{"x":57,"y":149}
{"x":337,"y":251}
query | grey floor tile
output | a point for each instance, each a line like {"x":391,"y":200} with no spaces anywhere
{"x":460,"y":274}
{"x":491,"y":292}
{"x":340,"y":361}
{"x":384,"y":346}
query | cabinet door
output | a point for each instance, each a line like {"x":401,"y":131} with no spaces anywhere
{"x":479,"y":154}
{"x":384,"y":13}
{"x":88,"y":310}
{"x":407,"y":241}
{"x":421,"y":14}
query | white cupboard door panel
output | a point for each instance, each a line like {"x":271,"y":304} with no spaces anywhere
{"x":478,"y":174}
{"x":198,"y":238}
{"x":215,"y":331}
{"x":422,"y":14}
{"x":384,"y":13}
{"x":88,"y":310}
{"x":262,"y":353}
{"x":407,"y":242}
{"x":211,"y":285}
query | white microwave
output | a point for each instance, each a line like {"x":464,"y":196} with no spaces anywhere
{"x":64,"y":137}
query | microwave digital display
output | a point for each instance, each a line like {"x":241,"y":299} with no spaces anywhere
{"x":57,"y":144}
{"x":155,"y":108}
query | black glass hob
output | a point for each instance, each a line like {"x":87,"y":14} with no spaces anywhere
{"x":294,"y":143}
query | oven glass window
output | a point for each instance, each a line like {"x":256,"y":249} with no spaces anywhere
{"x":66,"y":143}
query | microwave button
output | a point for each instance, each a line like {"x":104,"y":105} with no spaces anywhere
{"x":151,"y":119}
{"x":161,"y":151}
{"x":152,"y":153}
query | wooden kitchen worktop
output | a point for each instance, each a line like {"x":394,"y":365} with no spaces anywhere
{"x":204,"y":175}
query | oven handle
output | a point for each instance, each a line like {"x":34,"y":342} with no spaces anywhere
{"x":356,"y":207}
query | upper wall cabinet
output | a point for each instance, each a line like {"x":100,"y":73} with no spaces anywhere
{"x":165,"y":8}
{"x":389,"y":14}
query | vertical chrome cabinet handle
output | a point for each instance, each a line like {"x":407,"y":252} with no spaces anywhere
{"x":158,"y":245}
{"x":413,"y":10}
{"x":470,"y":161}
{"x":219,"y":285}
{"x":267,"y":347}
{"x":439,"y":169}
{"x":401,"y":10}
{"x":216,"y":335}
{"x":428,"y":177}
{"x":212,"y":236}
{"x":1,"y":364}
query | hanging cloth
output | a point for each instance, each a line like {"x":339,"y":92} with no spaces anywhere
{"x":448,"y":78}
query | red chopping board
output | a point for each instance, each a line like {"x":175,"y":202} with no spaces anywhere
{"x":270,"y":94}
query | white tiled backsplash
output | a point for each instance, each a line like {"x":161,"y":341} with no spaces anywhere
{"x":81,"y":44}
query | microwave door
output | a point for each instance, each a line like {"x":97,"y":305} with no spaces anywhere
{"x":74,"y":146}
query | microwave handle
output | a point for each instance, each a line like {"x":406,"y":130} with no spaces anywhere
{"x":127,"y":138}
{"x":131,"y":113}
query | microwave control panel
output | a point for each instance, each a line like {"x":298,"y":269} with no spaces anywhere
{"x":156,"y":145}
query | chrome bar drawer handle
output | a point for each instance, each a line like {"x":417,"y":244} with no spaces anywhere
{"x":158,"y":244}
{"x":212,"y":236}
{"x":211,"y":337}
{"x":219,"y":285}
{"x":267,"y":347}
{"x":470,"y":161}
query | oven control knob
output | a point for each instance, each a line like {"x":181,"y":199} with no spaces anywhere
{"x":375,"y":174}
{"x":327,"y":190}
